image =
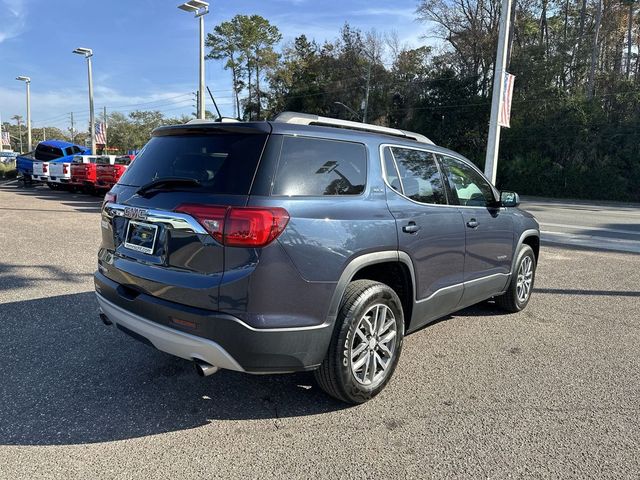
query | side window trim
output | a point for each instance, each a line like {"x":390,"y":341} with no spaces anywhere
{"x":443,"y":177}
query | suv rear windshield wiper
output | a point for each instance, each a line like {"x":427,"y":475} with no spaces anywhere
{"x":167,"y":182}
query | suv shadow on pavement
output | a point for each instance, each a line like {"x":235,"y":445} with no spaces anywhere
{"x":68,"y":379}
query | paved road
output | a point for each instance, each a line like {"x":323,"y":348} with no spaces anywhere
{"x":550,"y":392}
{"x":607,"y":226}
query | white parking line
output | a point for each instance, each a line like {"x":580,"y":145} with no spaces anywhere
{"x":615,"y":244}
{"x":599,"y":229}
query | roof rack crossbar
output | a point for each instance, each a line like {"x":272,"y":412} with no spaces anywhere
{"x":308,"y":119}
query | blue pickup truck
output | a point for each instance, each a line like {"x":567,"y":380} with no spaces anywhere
{"x":52,"y":151}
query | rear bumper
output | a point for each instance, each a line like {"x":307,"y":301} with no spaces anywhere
{"x":167,"y":339}
{"x":219,"y":339}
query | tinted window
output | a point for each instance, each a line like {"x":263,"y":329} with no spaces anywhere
{"x":103,"y":160}
{"x":68,"y":151}
{"x":126,"y":160}
{"x":420,"y":178}
{"x":313,"y":166}
{"x":467,"y":184}
{"x":77,"y":159}
{"x":221,"y":162}
{"x":46,"y":152}
{"x":76,"y":149}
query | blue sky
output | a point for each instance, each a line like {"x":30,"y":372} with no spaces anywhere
{"x":145,"y":51}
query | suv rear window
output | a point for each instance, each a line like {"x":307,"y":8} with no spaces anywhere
{"x":103,"y":160}
{"x":126,"y":160}
{"x":313,"y":166}
{"x":222,"y":163}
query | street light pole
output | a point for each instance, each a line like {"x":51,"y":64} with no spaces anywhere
{"x":27,"y":80}
{"x":88,"y":53}
{"x":493,"y":145}
{"x":200,"y":9}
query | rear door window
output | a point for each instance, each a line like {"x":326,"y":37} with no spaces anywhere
{"x":223,"y":163}
{"x":415,"y":174}
{"x":318,"y":167}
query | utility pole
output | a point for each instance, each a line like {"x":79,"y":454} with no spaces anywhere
{"x":104,"y":128}
{"x":27,"y":81}
{"x":1,"y":139}
{"x":73,"y":139}
{"x":366,"y":95}
{"x":44,"y":133}
{"x":493,"y":146}
{"x":20,"y":130}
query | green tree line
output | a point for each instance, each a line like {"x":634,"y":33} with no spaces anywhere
{"x":575,"y":125}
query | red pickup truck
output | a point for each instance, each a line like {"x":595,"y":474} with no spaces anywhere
{"x":84,"y":170}
{"x":108,"y":175}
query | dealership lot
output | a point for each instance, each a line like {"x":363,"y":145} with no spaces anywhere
{"x":552,"y":391}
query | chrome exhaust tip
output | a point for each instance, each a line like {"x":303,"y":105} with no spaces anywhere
{"x":205,"y":369}
{"x":105,"y":319}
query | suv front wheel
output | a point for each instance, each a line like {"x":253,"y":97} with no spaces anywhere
{"x":366,"y":343}
{"x":521,"y":285}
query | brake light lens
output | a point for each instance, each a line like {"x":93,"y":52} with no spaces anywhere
{"x":65,"y":168}
{"x":210,"y":217}
{"x":45,"y":168}
{"x":250,"y":227}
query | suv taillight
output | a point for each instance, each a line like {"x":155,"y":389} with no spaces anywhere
{"x":239,"y":226}
{"x":65,"y":168}
{"x":44,"y":168}
{"x":109,"y":198}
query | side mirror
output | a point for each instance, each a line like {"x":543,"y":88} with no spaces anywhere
{"x":509,"y":199}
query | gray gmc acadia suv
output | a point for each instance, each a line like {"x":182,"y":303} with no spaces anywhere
{"x":304,"y":243}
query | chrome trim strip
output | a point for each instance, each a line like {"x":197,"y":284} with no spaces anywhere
{"x":176,"y":220}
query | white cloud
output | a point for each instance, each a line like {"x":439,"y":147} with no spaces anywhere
{"x":14,"y":18}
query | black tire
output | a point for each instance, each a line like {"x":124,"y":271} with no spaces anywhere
{"x":335,"y":375}
{"x":510,"y":301}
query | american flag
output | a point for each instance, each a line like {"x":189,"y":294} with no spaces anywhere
{"x":6,"y":139}
{"x":504,"y":120}
{"x":101,"y":133}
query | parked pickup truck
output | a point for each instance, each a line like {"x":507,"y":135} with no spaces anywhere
{"x":59,"y":175}
{"x":84,"y":171}
{"x":47,"y":151}
{"x":107,"y":175}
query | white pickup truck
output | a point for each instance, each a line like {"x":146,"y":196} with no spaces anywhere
{"x":40,"y":171}
{"x":59,"y":175}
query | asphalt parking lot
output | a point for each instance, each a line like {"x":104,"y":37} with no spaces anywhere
{"x":550,"y":392}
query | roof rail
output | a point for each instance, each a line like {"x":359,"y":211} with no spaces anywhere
{"x":308,"y":119}
{"x":197,"y":121}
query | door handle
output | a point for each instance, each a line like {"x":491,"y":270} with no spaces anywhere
{"x":473,"y":223}
{"x":411,"y":227}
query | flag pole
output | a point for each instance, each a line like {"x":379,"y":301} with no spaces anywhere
{"x":491,"y":160}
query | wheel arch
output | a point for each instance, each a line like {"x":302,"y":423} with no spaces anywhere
{"x":529,"y":237}
{"x":390,"y":267}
